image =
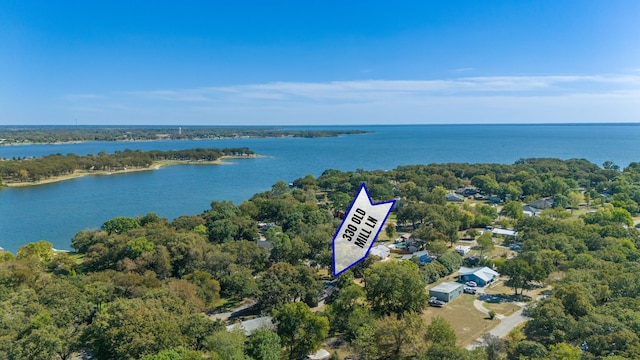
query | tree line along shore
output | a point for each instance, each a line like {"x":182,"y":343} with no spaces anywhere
{"x":57,"y":167}
{"x":150,"y":288}
{"x":15,"y":135}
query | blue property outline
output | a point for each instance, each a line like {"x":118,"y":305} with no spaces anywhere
{"x":333,"y":242}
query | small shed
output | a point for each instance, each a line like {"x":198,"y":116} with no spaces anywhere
{"x":462,"y":250}
{"x":405,"y":237}
{"x":446,"y":291}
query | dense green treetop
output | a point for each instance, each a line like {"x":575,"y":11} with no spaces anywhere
{"x":36,"y":169}
{"x":141,"y":286}
{"x":55,"y":134}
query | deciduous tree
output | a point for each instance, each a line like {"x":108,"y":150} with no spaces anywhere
{"x":263,"y":344}
{"x":395,"y":287}
{"x":485,"y":242}
{"x":300,"y":330}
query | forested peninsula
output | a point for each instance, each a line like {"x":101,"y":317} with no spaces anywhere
{"x":149,"y":288}
{"x":12,"y":135}
{"x":57,"y":167}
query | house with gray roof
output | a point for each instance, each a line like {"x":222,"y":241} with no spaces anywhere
{"x":467,"y":191}
{"x":481,"y":276}
{"x":454,"y":197}
{"x":504,"y":232}
{"x":381,"y":251}
{"x":422,"y":257}
{"x":542,"y":204}
{"x":529,"y":210}
{"x":249,"y":326}
{"x":321,"y":354}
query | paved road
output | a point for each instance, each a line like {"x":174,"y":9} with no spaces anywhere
{"x":507,"y":324}
{"x":226,"y":315}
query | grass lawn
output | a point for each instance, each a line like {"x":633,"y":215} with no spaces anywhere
{"x":382,"y":237}
{"x":392,"y":218}
{"x":226,"y":304}
{"x":77,"y":257}
{"x":341,"y":347}
{"x":467,"y":322}
{"x":325,"y":274}
{"x":498,"y":288}
{"x":495,"y":252}
{"x":503,"y":308}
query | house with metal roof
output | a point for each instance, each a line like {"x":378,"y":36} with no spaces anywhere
{"x":454,"y":197}
{"x":422,"y":257}
{"x":467,"y":191}
{"x":542,"y":204}
{"x":504,"y":232}
{"x":529,"y":210}
{"x":481,"y":276}
{"x":249,"y":326}
{"x":321,"y":354}
{"x":381,"y":251}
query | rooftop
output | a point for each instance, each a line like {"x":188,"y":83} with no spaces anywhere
{"x":249,"y":326}
{"x":483,"y":273}
{"x":446,"y":287}
{"x":418,"y":254}
{"x":505,"y":232}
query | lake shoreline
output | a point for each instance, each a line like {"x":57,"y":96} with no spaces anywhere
{"x":223,"y":160}
{"x":239,"y":137}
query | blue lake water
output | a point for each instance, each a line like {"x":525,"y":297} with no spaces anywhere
{"x":55,"y":212}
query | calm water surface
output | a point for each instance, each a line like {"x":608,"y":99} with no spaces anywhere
{"x":55,"y":212}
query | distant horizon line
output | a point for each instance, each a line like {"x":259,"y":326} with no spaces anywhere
{"x":324,"y":125}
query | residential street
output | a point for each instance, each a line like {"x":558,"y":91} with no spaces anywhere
{"x":226,"y":315}
{"x":506,"y":325}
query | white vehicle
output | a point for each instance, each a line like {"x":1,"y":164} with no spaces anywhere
{"x":435,"y":302}
{"x":470,"y":290}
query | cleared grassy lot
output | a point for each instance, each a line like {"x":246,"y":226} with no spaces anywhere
{"x":502,"y":308}
{"x":467,"y":322}
{"x":502,"y":290}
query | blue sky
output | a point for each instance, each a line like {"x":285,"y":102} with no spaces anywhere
{"x":323,"y":62}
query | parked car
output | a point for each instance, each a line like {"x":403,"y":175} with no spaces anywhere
{"x":470,"y":290}
{"x":435,"y":302}
{"x":471,"y":283}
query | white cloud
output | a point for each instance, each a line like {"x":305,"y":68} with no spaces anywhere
{"x":382,"y":89}
{"x":81,"y":97}
{"x":567,"y":98}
